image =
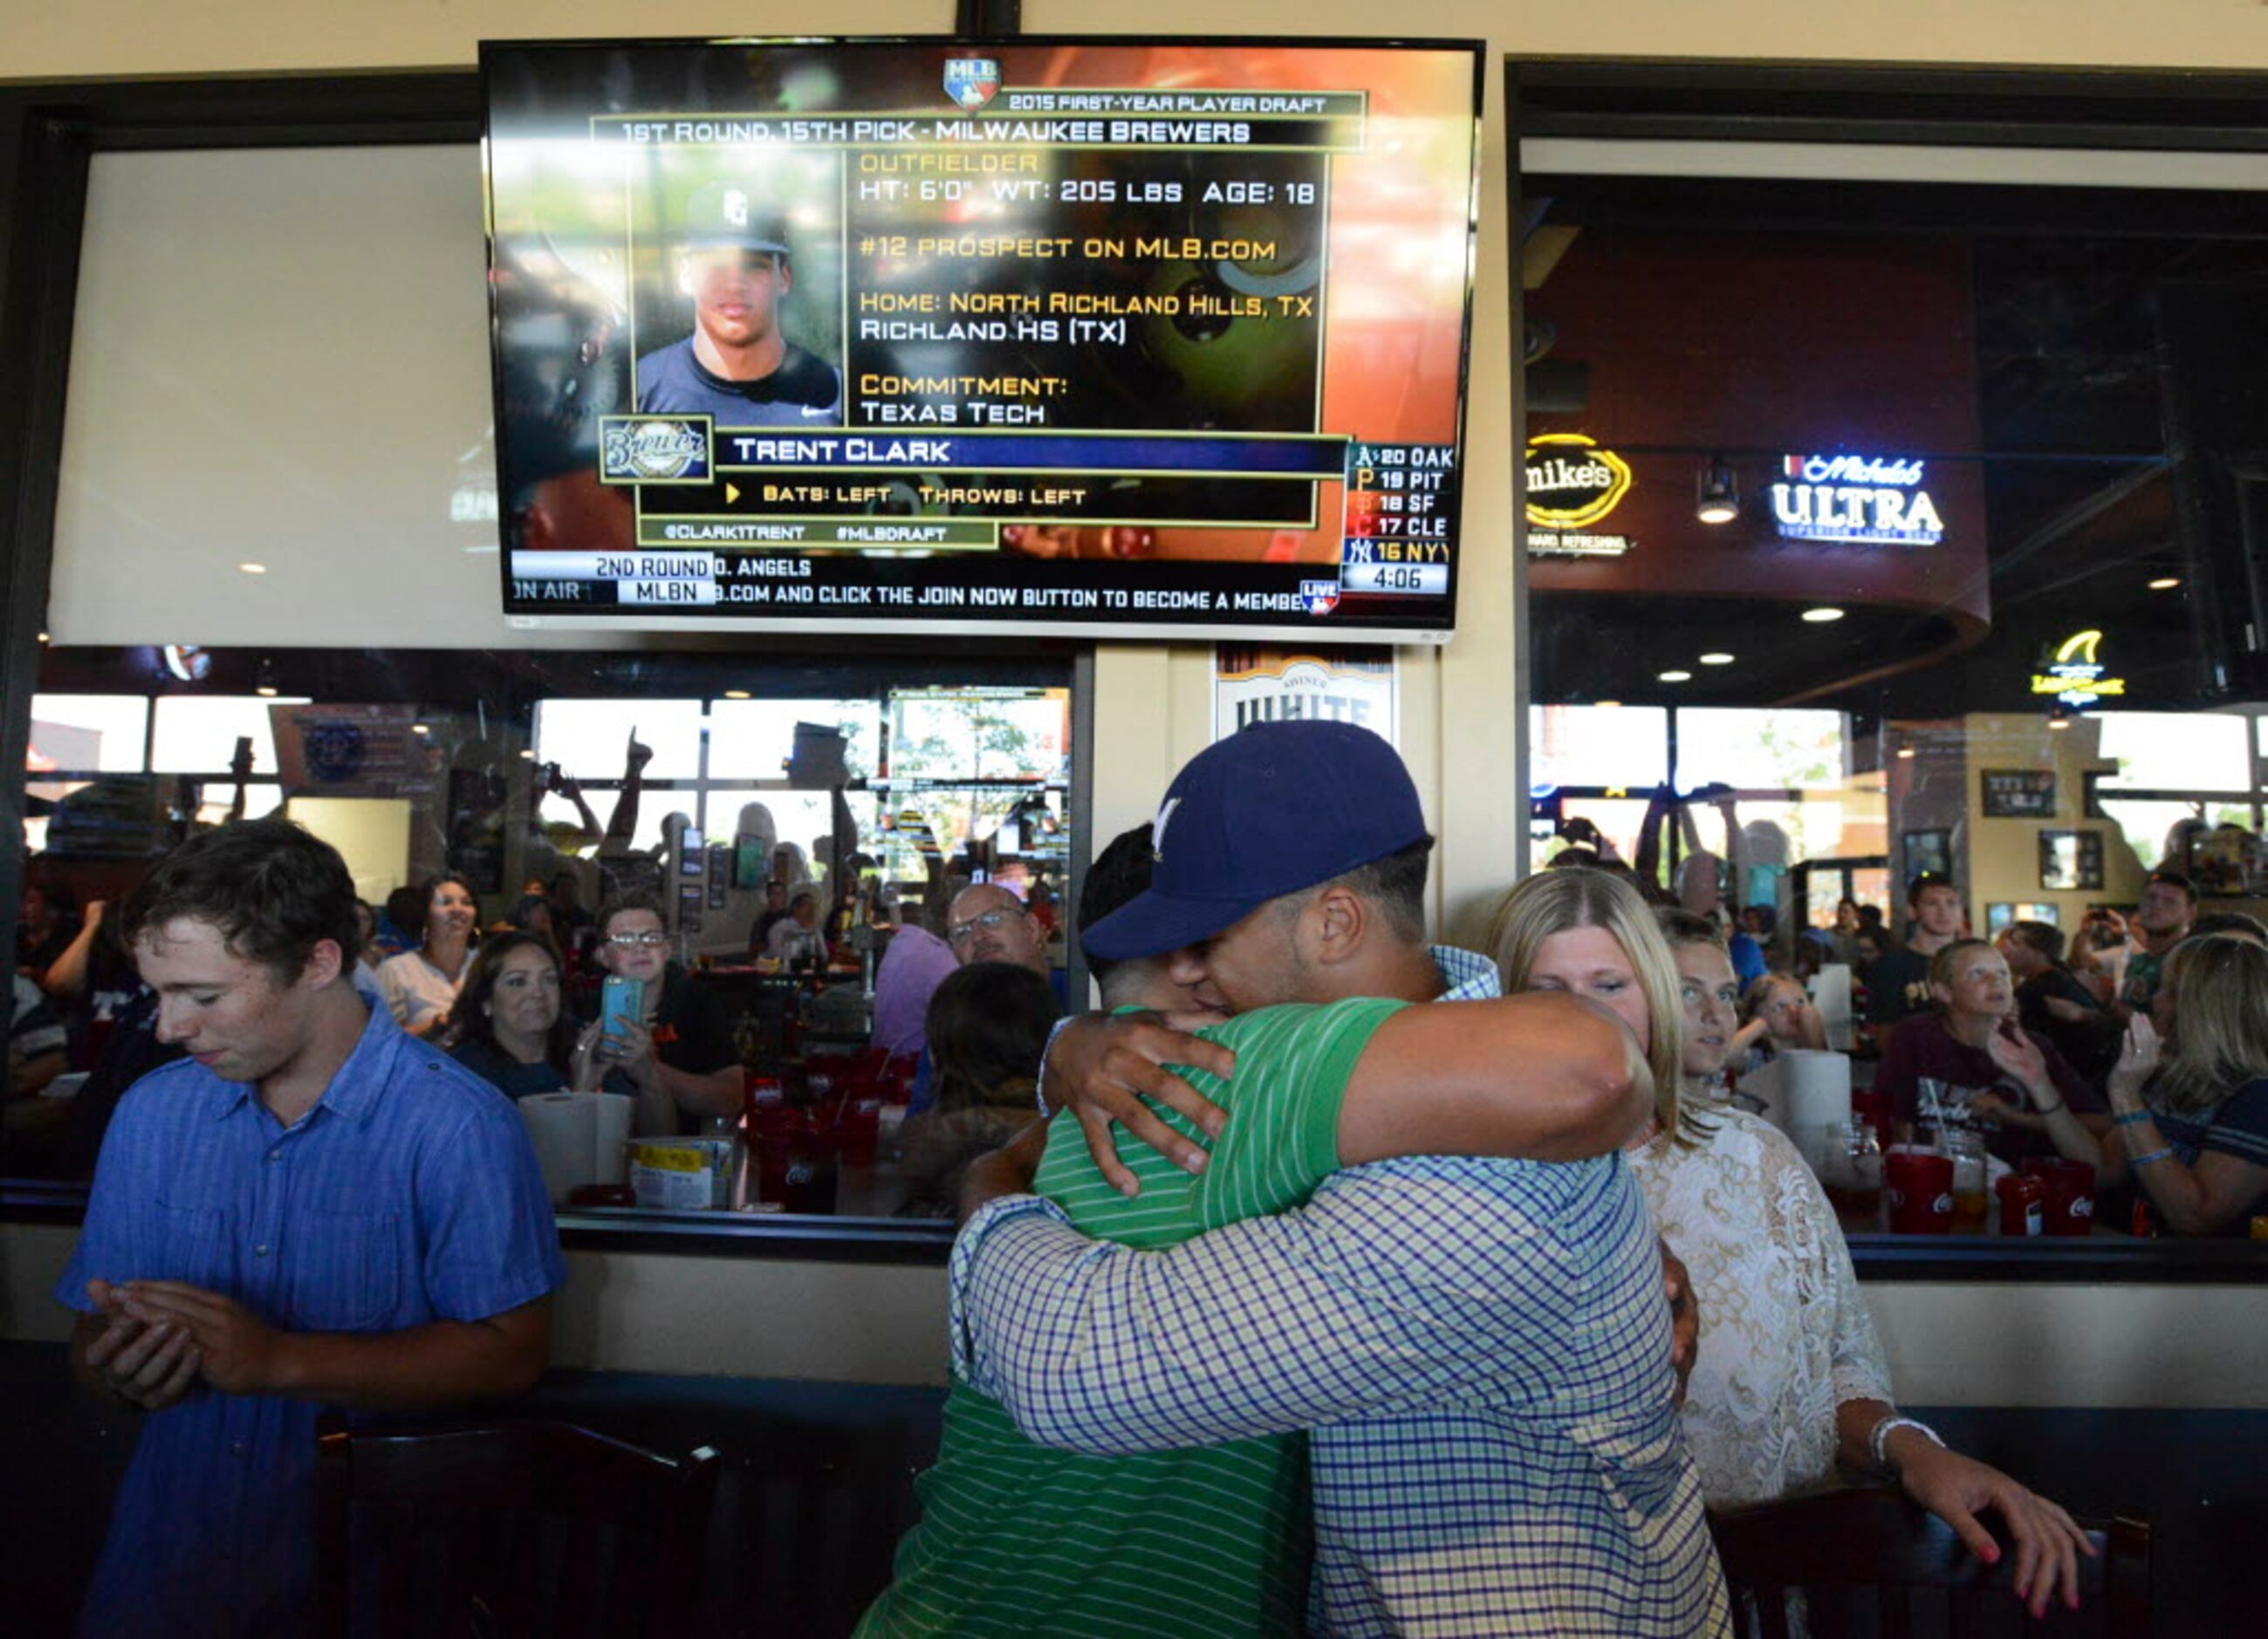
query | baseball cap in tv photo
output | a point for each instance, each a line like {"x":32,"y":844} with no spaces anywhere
{"x":728,"y":215}
{"x":1275,"y":808}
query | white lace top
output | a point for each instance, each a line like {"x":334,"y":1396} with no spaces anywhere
{"x":1785,"y":1337}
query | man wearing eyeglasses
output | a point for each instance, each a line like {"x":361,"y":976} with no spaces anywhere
{"x":987,"y":923}
{"x":678,"y":1060}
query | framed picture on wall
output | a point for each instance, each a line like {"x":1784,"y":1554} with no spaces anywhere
{"x":1927,"y":852}
{"x":1997,"y":917}
{"x":2019,"y":794}
{"x":2071,"y":861}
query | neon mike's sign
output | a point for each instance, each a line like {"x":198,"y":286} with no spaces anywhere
{"x":1857,"y":498}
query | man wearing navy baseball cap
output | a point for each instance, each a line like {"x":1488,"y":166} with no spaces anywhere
{"x":737,"y":366}
{"x":1420,"y":1316}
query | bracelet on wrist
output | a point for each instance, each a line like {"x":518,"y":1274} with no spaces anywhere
{"x":2054,"y":1109}
{"x":1878,"y":1441}
{"x":2132,"y":1117}
{"x":2156,"y":1154}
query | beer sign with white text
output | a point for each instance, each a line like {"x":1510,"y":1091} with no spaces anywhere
{"x":1855,"y":499}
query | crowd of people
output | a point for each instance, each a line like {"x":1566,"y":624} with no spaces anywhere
{"x":1328,"y":1278}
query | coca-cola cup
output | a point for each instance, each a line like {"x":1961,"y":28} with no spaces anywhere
{"x":2069,"y":1209}
{"x":1918,"y":1183}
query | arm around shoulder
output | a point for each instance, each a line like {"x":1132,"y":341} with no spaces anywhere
{"x":1542,"y":1077}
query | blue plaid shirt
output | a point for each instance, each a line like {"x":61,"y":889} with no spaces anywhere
{"x":409,"y":1194}
{"x":1479,"y":1348}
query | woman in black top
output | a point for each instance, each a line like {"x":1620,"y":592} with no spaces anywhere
{"x":511,"y":1028}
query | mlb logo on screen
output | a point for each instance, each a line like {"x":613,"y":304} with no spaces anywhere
{"x":971,"y":81}
{"x":1320,"y":596}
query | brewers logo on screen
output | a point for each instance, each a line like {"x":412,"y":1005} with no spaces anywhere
{"x":655,"y":449}
{"x":971,"y":81}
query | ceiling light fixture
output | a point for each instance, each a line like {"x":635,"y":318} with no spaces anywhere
{"x":264,"y":679}
{"x":254,"y":569}
{"x":527,"y":754}
{"x":1905,"y":750}
{"x":2165,"y":583}
{"x":1719,"y":658}
{"x":1609,"y":705}
{"x":736,"y":694}
{"x":1717,"y":497}
{"x":419,"y":729}
{"x":1820,"y":615}
{"x":1676,"y":677}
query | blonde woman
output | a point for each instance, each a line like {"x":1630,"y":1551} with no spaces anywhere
{"x":1790,"y":1377}
{"x":2190,"y":1109}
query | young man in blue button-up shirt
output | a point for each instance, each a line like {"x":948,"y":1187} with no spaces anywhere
{"x":312,"y":1209}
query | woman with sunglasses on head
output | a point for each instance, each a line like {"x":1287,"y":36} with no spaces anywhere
{"x":678,"y":1060}
{"x":420,"y":986}
{"x":510,"y":1029}
{"x":1789,"y":1379}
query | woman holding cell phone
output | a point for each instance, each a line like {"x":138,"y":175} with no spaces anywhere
{"x":659,"y":1037}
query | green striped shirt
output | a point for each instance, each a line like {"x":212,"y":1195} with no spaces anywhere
{"x":1015,"y":1539}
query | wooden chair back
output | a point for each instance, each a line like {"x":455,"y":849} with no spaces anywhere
{"x":508,"y":1533}
{"x":1869,"y":1561}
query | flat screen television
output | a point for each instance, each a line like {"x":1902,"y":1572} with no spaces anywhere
{"x":1108,"y":338}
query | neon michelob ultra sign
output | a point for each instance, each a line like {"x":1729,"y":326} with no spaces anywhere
{"x":1855,"y":498}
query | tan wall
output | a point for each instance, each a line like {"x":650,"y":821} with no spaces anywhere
{"x":1948,"y":1345}
{"x":1151,"y":707}
{"x":2003,"y":855}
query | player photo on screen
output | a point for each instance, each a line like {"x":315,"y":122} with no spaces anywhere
{"x":754,"y":355}
{"x":1113,"y":338}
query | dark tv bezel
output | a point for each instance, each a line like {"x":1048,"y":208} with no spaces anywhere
{"x":605,"y":618}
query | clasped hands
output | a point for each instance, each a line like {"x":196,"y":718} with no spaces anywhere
{"x":161,"y":1337}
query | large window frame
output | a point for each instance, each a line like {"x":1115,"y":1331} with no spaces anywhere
{"x":1918,"y":108}
{"x":48,"y":136}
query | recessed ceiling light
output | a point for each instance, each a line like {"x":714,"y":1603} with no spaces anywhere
{"x":1820,"y":615}
{"x":2058,"y":722}
{"x":527,"y":753}
{"x":43,"y":637}
{"x":419,"y":729}
{"x":1718,"y":659}
{"x":1676,"y":677}
{"x":736,"y":694}
{"x":1905,"y":750}
{"x":254,"y":569}
{"x":2165,"y":583}
{"x":1609,"y":705}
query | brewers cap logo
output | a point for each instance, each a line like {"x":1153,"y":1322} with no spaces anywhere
{"x":736,"y":207}
{"x":1157,"y":827}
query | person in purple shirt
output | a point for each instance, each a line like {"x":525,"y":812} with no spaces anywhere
{"x":311,"y":1210}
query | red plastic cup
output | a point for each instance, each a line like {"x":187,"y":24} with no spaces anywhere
{"x":2024,"y":1204}
{"x":2069,"y":1209}
{"x":1918,"y":1184}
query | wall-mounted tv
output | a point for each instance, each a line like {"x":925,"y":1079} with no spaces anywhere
{"x":1101,"y":338}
